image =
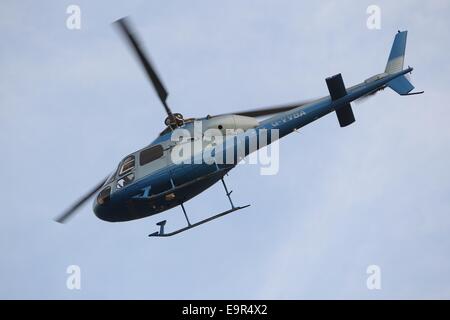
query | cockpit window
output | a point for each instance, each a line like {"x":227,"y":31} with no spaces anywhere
{"x":122,"y":182}
{"x":104,"y":195}
{"x":127,"y":165}
{"x":150,"y":154}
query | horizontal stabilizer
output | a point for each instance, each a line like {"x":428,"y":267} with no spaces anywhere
{"x":345,"y":115}
{"x":401,"y":85}
{"x":337,"y":90}
{"x":336,"y":87}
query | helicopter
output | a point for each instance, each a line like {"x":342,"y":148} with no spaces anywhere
{"x":150,"y":181}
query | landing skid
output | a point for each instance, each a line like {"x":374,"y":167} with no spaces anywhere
{"x":161,"y":224}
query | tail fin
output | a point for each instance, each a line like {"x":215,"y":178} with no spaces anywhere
{"x":397,"y":55}
{"x":400,"y":84}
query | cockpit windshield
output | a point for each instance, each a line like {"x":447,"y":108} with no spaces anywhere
{"x":127,"y":165}
{"x":126,"y":172}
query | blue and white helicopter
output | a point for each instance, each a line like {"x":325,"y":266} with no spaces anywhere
{"x":148,"y":181}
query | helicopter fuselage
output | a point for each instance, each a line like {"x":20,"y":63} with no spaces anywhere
{"x":148,"y":182}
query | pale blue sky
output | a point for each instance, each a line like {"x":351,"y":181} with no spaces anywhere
{"x":73,"y":103}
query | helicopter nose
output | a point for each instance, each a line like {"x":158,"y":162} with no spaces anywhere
{"x":101,"y":204}
{"x":109,"y":213}
{"x":101,"y":211}
{"x":112,"y":211}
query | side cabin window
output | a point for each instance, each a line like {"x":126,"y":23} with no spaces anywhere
{"x":127,"y":165}
{"x":150,"y":154}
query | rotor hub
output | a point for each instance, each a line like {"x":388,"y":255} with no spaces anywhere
{"x":175,"y":120}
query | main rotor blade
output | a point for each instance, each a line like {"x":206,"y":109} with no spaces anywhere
{"x":70,"y":211}
{"x":128,"y":33}
{"x":260,"y":112}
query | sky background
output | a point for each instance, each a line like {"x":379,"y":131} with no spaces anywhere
{"x":73,"y":103}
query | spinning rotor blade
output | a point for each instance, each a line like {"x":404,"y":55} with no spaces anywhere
{"x":128,"y":33}
{"x":70,"y":211}
{"x":260,"y":112}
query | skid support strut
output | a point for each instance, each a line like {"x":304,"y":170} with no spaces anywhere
{"x":190,"y":225}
